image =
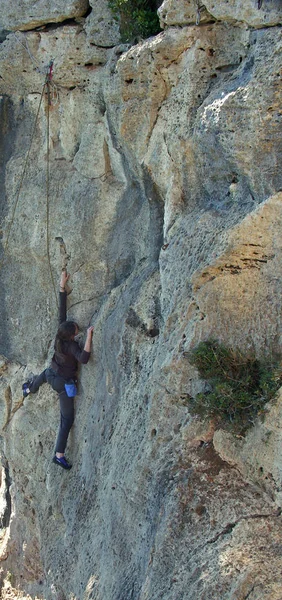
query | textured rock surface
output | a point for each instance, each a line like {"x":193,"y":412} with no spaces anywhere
{"x":258,"y":455}
{"x":26,"y":14}
{"x":260,"y":13}
{"x":101,"y":28}
{"x":165,"y":205}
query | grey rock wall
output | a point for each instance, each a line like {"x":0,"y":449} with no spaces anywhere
{"x":164,"y":203}
{"x":254,"y":13}
{"x":26,"y":15}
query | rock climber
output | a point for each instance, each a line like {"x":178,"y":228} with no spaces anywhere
{"x":62,"y":374}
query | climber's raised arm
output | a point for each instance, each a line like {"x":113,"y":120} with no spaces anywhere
{"x":63,"y":297}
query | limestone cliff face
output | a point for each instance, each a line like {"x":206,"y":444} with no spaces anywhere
{"x":164,"y":203}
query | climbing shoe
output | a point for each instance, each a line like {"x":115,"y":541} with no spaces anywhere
{"x":25,"y":388}
{"x":62,"y":462}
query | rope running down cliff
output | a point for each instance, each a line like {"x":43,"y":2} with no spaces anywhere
{"x":46,"y":87}
{"x":47,"y":83}
{"x":21,"y":181}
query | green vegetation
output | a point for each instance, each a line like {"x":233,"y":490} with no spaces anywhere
{"x":239,"y":384}
{"x":138,"y":18}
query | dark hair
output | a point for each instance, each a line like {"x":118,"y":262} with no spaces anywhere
{"x":65,"y":333}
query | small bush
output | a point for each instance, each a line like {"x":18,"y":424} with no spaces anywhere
{"x":138,"y":18}
{"x":239,"y":384}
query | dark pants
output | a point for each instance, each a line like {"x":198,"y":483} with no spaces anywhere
{"x":66,"y":404}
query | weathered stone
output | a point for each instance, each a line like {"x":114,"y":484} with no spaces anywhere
{"x":261,"y":13}
{"x":255,"y":13}
{"x":258,"y":454}
{"x":25,"y":60}
{"x":184,"y":12}
{"x":27,"y":14}
{"x":165,"y":206}
{"x":101,"y":27}
{"x":247,"y":271}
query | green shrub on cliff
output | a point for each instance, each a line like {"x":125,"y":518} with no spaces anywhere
{"x":138,"y":18}
{"x":239,"y":385}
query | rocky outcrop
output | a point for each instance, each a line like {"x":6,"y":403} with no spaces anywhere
{"x":258,"y":13}
{"x":26,"y":15}
{"x":164,"y":204}
{"x":101,"y":26}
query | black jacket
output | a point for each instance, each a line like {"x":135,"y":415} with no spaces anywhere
{"x":66,"y":363}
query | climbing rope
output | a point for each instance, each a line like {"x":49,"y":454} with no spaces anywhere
{"x":21,"y":181}
{"x":48,"y":83}
{"x":46,"y":87}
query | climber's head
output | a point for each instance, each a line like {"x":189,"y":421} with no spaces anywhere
{"x":66,"y":332}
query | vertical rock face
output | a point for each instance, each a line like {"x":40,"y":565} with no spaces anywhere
{"x":164,"y":203}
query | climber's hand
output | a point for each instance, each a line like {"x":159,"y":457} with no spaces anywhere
{"x":64,"y":279}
